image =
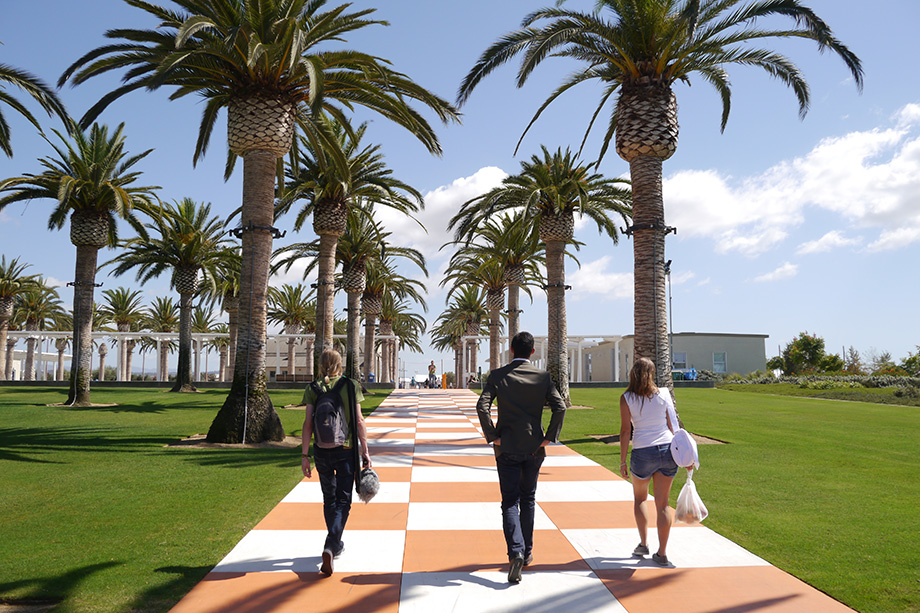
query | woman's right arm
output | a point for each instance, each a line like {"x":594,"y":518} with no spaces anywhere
{"x":305,"y":442}
{"x":625,"y":429}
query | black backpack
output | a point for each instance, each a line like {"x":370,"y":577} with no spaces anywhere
{"x":330,"y":425}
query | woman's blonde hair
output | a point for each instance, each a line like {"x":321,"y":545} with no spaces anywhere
{"x":330,"y":363}
{"x":642,"y":378}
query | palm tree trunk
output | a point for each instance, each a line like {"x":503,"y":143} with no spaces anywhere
{"x":184,"y":371}
{"x":495,"y":349}
{"x":325,"y":296}
{"x":557,"y":358}
{"x":81,"y":369}
{"x":196,"y":372}
{"x":291,"y":350}
{"x":231,"y":305}
{"x":353,"y":334}
{"x":29,"y":370}
{"x":122,"y":352}
{"x":163,"y":361}
{"x":514,"y":315}
{"x":370,"y":324}
{"x":6,"y":312}
{"x":247,"y":415}
{"x":458,"y":364}
{"x":650,"y":307}
{"x":386,"y":328}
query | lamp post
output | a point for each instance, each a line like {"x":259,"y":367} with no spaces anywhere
{"x":667,"y":271}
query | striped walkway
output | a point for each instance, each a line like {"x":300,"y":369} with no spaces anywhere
{"x":431,"y":540}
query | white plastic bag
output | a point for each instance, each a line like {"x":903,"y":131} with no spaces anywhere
{"x":690,"y":508}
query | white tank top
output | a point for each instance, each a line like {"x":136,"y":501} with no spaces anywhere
{"x":648,"y":418}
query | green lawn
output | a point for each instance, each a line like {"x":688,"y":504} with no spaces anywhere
{"x":97,"y":512}
{"x":826,"y":490}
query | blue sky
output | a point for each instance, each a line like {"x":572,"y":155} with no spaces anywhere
{"x":783,"y":225}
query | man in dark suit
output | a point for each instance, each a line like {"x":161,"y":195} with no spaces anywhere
{"x":521,"y":390}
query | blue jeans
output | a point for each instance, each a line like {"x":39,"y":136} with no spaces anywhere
{"x":336,"y":468}
{"x":517,"y":477}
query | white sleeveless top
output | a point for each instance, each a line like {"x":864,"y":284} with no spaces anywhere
{"x":648,"y":418}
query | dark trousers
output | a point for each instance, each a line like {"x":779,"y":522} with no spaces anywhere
{"x":336,"y":468}
{"x":517,"y":477}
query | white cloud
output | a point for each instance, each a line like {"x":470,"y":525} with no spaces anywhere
{"x":828,"y":242}
{"x":440,"y":205}
{"x":786,"y":271}
{"x":683,"y":277}
{"x":870,"y":178}
{"x":594,"y":278}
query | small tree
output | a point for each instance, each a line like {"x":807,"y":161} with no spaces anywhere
{"x":911,"y":364}
{"x":854,"y":363}
{"x":805,"y":354}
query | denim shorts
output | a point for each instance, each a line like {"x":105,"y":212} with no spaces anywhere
{"x":647,"y":461}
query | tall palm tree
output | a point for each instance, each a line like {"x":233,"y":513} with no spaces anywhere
{"x":61,"y":322}
{"x":37,"y":308}
{"x":331,"y":192}
{"x":222,"y":344}
{"x":290,"y":306}
{"x":13,"y":281}
{"x":202,"y":323}
{"x":638,"y":50}
{"x":467,"y":269}
{"x":125,"y":309}
{"x":382,"y":280}
{"x":397,"y":319}
{"x":37,"y":89}
{"x":162,"y":316}
{"x":550,"y":190}
{"x":187,"y":241}
{"x":364,"y":241}
{"x":93,"y":183}
{"x":269,"y":63}
{"x":466,"y":309}
{"x":447,"y":334}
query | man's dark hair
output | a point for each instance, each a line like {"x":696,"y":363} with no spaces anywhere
{"x":522,"y":345}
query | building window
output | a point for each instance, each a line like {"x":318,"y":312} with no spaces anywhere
{"x":680,"y":360}
{"x":719,"y":362}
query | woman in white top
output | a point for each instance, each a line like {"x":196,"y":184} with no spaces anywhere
{"x":649,"y":411}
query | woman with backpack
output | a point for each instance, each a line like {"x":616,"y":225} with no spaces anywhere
{"x":333,"y":418}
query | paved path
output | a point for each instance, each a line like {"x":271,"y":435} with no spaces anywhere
{"x":431,"y":541}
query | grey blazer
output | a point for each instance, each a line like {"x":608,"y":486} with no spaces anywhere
{"x":521,"y":390}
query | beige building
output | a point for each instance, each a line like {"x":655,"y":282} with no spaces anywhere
{"x":718,"y":352}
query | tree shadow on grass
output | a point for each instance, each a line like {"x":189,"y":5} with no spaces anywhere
{"x":41,"y":444}
{"x":163,"y":596}
{"x":240,"y":458}
{"x":45,"y":589}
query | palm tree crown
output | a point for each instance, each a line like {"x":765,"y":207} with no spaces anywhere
{"x":657,"y":43}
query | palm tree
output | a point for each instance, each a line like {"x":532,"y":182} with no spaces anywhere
{"x":467,"y":269}
{"x":202,"y":323}
{"x":222,"y":344}
{"x":364,"y":241}
{"x":550,"y":190}
{"x":13,"y":281}
{"x":331,"y":192}
{"x":269,"y":63}
{"x":185,"y":240}
{"x":290,"y":307}
{"x":36,"y":88}
{"x":468,"y":308}
{"x":447,"y":333}
{"x":61,"y":322}
{"x":37,"y":308}
{"x":124,"y":308}
{"x":92,"y":181}
{"x":162,"y":316}
{"x":397,"y":319}
{"x":637,"y":54}
{"x":382,"y":280}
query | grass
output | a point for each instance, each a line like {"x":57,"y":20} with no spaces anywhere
{"x":823,"y":489}
{"x":99,"y":514}
{"x":880,"y":395}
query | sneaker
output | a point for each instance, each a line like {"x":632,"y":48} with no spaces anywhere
{"x":517,"y":563}
{"x":640,"y":551}
{"x":528,"y":559}
{"x":327,"y":566}
{"x":660,"y":560}
{"x":339,"y":552}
